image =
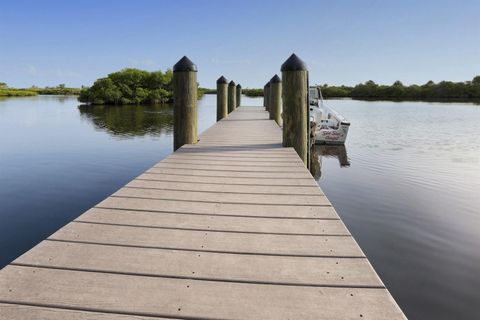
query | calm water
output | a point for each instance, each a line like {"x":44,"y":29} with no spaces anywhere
{"x":409,"y":192}
{"x":407,"y":184}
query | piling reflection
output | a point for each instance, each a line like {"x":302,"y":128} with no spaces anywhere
{"x":320,"y":151}
{"x":130,"y":120}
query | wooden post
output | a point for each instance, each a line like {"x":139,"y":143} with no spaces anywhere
{"x":184,"y":103}
{"x":276,"y":99}
{"x":231,"y":97}
{"x":295,"y":106}
{"x":239,"y":94}
{"x":267,"y":96}
{"x":222,"y":98}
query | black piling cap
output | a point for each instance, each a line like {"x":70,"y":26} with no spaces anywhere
{"x":222,"y":79}
{"x":231,"y":84}
{"x":239,"y":86}
{"x":275,"y":79}
{"x":185,"y":64}
{"x":294,"y":63}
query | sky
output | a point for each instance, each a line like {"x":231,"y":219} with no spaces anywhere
{"x":49,"y":42}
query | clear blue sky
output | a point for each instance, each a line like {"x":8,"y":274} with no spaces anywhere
{"x":342,"y":42}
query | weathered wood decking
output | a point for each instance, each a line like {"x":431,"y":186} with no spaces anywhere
{"x":233,"y":227}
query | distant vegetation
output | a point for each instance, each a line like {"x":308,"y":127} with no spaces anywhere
{"x":444,"y":90}
{"x":208,"y":91}
{"x":61,"y":89}
{"x":8,"y":92}
{"x":131,"y":86}
{"x":253,"y":92}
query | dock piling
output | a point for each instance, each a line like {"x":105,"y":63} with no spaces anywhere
{"x":232,"y":104}
{"x":267,"y":96}
{"x":295,"y":105}
{"x":185,"y":103}
{"x":239,"y":94}
{"x":276,"y":99}
{"x":222,"y":98}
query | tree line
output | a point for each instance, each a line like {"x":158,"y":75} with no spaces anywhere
{"x":61,"y":89}
{"x":444,"y":90}
{"x":133,"y":86}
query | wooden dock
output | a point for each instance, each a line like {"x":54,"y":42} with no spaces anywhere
{"x":233,"y":227}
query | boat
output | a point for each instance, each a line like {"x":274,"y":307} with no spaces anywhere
{"x":327,"y":125}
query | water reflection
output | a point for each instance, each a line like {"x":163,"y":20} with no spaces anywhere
{"x":130,"y":120}
{"x":62,"y":98}
{"x":319,"y":151}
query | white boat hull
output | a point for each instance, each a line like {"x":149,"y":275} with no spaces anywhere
{"x":329,"y":136}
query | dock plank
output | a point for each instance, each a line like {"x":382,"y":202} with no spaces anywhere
{"x":238,"y":168}
{"x":232,"y":209}
{"x":195,"y":299}
{"x":354,"y":272}
{"x":237,"y":155}
{"x":210,"y":172}
{"x":248,"y":243}
{"x":249,"y":181}
{"x":263,"y":161}
{"x":223,"y":197}
{"x":221,"y":187}
{"x":215,"y":222}
{"x":27,"y":312}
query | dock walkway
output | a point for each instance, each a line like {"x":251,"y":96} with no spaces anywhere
{"x":233,"y":227}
